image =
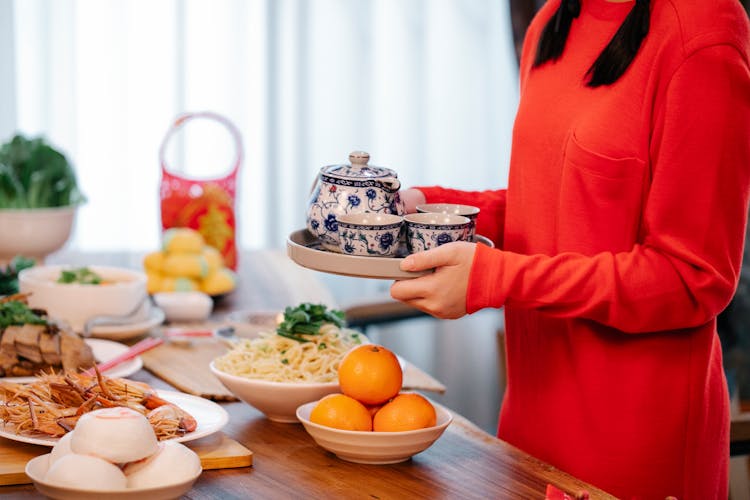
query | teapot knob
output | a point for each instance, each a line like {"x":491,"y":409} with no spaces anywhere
{"x":359,"y":157}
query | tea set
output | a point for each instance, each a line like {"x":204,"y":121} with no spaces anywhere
{"x":356,"y":209}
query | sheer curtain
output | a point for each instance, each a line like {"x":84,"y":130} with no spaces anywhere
{"x":427,"y":87}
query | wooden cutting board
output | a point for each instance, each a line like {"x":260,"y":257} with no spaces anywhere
{"x":186,"y":367}
{"x":216,"y":451}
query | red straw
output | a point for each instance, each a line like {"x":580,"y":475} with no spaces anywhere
{"x":137,"y":349}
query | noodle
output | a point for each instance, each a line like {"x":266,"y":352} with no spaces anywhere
{"x":279,"y":359}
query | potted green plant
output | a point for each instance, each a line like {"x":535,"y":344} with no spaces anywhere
{"x":39,"y":197}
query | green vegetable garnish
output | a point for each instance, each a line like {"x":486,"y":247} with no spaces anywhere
{"x":33,"y":174}
{"x":82,"y":275}
{"x":14,"y":312}
{"x":306,"y":319}
{"x":9,"y":276}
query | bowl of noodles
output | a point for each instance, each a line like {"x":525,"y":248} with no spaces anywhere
{"x":276,"y":373}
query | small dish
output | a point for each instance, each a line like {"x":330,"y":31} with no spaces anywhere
{"x":250,"y":323}
{"x":130,"y":330}
{"x":374,"y":447}
{"x":37,"y":467}
{"x":184,"y":306}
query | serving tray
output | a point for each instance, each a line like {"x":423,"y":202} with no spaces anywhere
{"x":305,"y":249}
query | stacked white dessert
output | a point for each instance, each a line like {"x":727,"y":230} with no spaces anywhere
{"x":117,"y":449}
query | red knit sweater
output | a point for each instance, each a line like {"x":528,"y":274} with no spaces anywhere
{"x":620,"y":241}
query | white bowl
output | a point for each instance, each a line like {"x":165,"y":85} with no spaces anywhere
{"x":34,"y":233}
{"x":374,"y":447}
{"x":184,"y":306}
{"x":75,"y":303}
{"x":37,"y":467}
{"x":277,"y":400}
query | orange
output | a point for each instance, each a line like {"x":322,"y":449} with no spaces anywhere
{"x":341,"y":412}
{"x":406,"y":412}
{"x":370,"y":374}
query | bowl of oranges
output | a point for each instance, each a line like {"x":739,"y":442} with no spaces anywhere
{"x":372,"y":421}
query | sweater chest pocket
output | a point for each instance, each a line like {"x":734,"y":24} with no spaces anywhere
{"x":600,"y":201}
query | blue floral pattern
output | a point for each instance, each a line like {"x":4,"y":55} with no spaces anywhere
{"x":348,"y":189}
{"x":420,"y":237}
{"x":369,"y":240}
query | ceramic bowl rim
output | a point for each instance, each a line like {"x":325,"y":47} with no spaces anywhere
{"x":423,"y":221}
{"x":39,"y":276}
{"x":353,"y":221}
{"x":461,"y":209}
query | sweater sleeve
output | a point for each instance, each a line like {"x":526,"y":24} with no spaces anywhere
{"x":683,"y":271}
{"x":491,"y":204}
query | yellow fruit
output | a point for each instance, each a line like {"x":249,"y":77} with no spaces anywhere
{"x":213,"y":258}
{"x":341,"y":412}
{"x":221,"y":281}
{"x":170,"y":284}
{"x":182,"y":240}
{"x":153,"y":282}
{"x":185,"y":265}
{"x":153,"y":262}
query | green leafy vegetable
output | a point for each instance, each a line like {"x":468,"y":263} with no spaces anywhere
{"x":82,"y":275}
{"x":9,"y":275}
{"x":15,"y":312}
{"x":33,"y":174}
{"x":306,"y":319}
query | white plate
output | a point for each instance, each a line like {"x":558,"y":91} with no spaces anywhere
{"x":37,"y":467}
{"x":131,"y":330}
{"x":104,"y":350}
{"x":210,"y":417}
{"x":305,"y":249}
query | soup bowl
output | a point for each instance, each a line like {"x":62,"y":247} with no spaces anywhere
{"x":122,"y":292}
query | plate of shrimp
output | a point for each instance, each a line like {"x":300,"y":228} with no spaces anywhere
{"x":42,"y":411}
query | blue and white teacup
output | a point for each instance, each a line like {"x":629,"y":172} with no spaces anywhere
{"x":454,"y":208}
{"x":369,"y":234}
{"x":425,"y":231}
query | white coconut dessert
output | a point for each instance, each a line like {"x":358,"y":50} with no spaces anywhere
{"x":172,"y":463}
{"x":61,"y":448}
{"x":118,"y":435}
{"x":85,"y":472}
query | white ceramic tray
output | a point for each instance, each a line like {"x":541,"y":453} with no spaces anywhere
{"x":304,"y":249}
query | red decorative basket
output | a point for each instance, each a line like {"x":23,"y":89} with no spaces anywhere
{"x":206,"y":205}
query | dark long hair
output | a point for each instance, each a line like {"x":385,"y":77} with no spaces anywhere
{"x":616,"y":56}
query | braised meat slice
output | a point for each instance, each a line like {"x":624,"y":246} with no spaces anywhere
{"x":27,"y":342}
{"x":76,"y":354}
{"x":8,"y":356}
{"x":49,"y":344}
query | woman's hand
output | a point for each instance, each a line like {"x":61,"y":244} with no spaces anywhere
{"x":411,"y":198}
{"x":443,"y":293}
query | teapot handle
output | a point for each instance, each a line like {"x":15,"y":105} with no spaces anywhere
{"x":391,"y":184}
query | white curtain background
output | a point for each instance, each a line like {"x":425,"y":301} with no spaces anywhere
{"x":427,"y":87}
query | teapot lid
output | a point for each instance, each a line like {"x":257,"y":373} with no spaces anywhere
{"x":358,"y":168}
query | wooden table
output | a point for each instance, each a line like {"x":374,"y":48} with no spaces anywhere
{"x":465,"y":462}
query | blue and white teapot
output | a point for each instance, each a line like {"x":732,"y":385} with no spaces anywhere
{"x":350,"y":188}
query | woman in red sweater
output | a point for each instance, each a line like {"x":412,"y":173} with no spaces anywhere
{"x":619,"y":240}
